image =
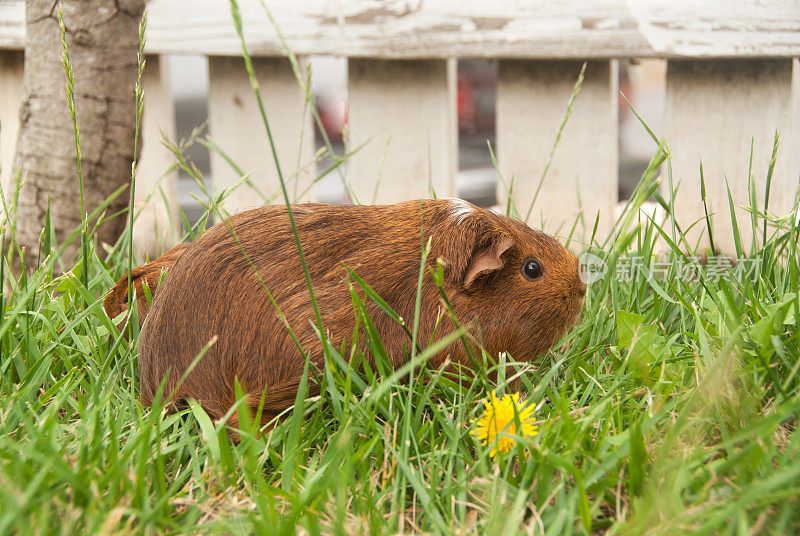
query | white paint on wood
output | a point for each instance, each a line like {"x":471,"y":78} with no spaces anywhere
{"x":532,"y":99}
{"x":713,"y":111}
{"x":11,"y":70}
{"x":236,"y":126}
{"x":12,"y":24}
{"x":416,"y":29}
{"x":157,"y":225}
{"x":405,"y":113}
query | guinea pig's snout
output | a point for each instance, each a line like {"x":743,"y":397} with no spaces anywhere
{"x":580,"y":285}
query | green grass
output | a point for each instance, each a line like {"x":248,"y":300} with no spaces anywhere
{"x":670,"y":408}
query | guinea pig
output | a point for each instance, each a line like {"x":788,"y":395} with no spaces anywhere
{"x":117,"y":300}
{"x":516,"y":289}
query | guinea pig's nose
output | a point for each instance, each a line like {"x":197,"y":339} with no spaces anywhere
{"x":579,"y":279}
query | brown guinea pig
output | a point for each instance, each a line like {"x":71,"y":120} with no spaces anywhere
{"x":149,"y":274}
{"x":517,"y":288}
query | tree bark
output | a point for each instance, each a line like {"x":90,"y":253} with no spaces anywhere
{"x":102,"y":37}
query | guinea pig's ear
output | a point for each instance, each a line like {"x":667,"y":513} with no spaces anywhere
{"x":486,"y":259}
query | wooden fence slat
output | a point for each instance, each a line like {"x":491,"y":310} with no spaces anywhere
{"x":236,"y":126}
{"x":795,"y":147}
{"x":405,"y":113}
{"x":532,"y":99}
{"x":157,"y":226}
{"x":713,"y":111}
{"x":12,"y":64}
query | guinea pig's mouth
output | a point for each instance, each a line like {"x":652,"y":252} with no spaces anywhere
{"x":576,"y":311}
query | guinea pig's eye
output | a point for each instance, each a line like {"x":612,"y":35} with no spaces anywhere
{"x":532,"y":269}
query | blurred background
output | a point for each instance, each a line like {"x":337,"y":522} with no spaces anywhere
{"x":412,"y":96}
{"x":642,"y":82}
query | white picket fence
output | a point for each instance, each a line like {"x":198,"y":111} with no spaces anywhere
{"x":732,"y":77}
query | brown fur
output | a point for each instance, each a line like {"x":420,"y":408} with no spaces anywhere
{"x":213,"y":291}
{"x":117,"y":300}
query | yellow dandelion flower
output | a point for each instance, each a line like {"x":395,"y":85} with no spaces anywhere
{"x":498,"y":420}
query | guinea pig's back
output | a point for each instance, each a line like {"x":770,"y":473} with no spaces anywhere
{"x":216,"y":290}
{"x":186,"y":313}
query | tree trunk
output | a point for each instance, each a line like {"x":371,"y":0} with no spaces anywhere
{"x":102,"y":37}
